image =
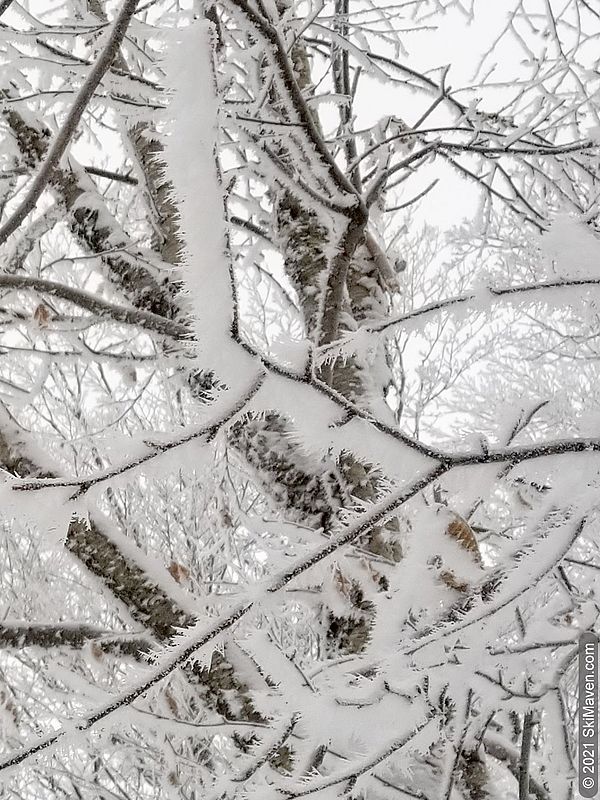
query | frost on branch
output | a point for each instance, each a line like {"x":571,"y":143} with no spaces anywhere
{"x":192,"y":164}
{"x":337,"y":496}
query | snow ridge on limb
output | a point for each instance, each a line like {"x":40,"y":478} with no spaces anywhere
{"x":192,"y":130}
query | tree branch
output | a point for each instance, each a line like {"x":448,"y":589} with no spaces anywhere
{"x":561,"y":283}
{"x":69,"y":127}
{"x":95,"y":304}
{"x":112,"y":176}
{"x":139,"y":278}
{"x":526,"y":741}
{"x":48,"y":635}
{"x":279,"y":52}
{"x":208,"y":431}
{"x":353,"y":773}
{"x":464,"y":615}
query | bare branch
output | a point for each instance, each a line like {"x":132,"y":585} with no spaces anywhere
{"x":112,"y":176}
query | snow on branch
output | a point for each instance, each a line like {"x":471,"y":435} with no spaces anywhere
{"x":48,"y":635}
{"x":195,"y":638}
{"x":529,"y":566}
{"x":152,"y":449}
{"x":478,"y":301}
{"x":191,"y":164}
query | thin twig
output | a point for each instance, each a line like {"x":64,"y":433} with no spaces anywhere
{"x":430,"y":308}
{"x":528,"y":723}
{"x":112,"y":176}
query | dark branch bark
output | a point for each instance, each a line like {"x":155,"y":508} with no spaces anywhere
{"x":29,"y":634}
{"x":111,"y":176}
{"x":504,"y":753}
{"x":526,"y":741}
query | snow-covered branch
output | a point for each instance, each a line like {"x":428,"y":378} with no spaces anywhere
{"x":48,"y":635}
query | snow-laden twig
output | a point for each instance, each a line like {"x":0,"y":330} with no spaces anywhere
{"x":352,"y":774}
{"x":350,"y":408}
{"x":277,"y":51}
{"x":447,"y":460}
{"x":472,"y":297}
{"x":512,"y":455}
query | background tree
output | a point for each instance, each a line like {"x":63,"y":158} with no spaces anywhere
{"x":298,"y":428}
